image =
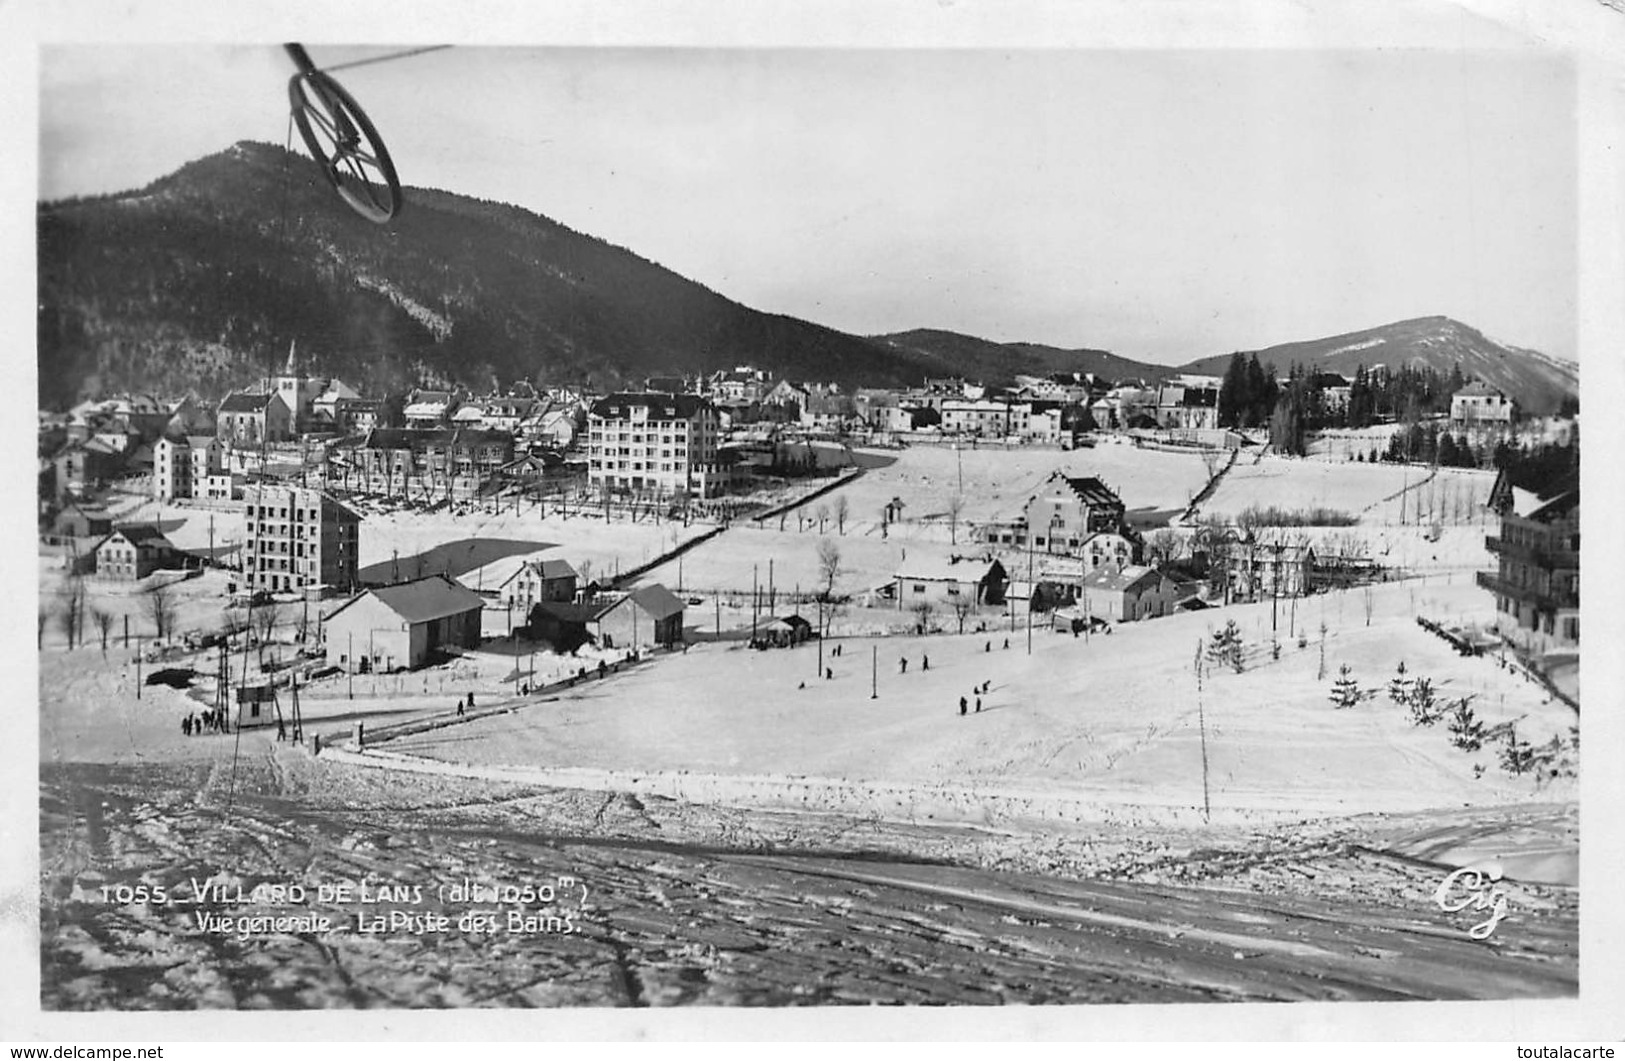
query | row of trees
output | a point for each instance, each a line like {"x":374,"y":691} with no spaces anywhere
{"x":1250,"y":396}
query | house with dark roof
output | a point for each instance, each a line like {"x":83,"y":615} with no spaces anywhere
{"x":538,"y":580}
{"x":647,"y":616}
{"x":403,"y":626}
{"x":246,"y":419}
{"x":132,"y":552}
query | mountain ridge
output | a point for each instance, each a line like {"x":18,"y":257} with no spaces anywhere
{"x":202,"y":280}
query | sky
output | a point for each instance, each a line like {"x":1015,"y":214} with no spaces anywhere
{"x":1165,"y":204}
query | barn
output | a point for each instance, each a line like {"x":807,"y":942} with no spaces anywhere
{"x":403,"y":626}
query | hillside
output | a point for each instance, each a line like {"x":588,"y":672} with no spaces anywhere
{"x":201,"y":280}
{"x":999,"y":362}
{"x":1538,"y":382}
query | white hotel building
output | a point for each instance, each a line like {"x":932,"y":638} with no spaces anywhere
{"x":656,"y":442}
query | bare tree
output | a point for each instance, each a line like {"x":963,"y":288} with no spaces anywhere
{"x":1212,"y":460}
{"x":160,"y":607}
{"x":962,"y":608}
{"x":1164,"y":546}
{"x":923,"y":610}
{"x":266,"y":620}
{"x":71,"y":611}
{"x":829,"y":564}
{"x":104,"y":624}
{"x":1367,"y":601}
{"x":822,"y":513}
{"x":956,"y":506}
{"x":44,"y":618}
{"x":843,"y":508}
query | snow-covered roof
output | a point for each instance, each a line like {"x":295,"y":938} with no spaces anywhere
{"x":1524,"y":501}
{"x":1109,"y":579}
{"x":423,"y":600}
{"x":947,"y":569}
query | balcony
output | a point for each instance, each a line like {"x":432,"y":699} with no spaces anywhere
{"x":1539,"y":556}
{"x":1528,"y":594}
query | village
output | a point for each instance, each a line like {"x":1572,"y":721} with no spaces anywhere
{"x":296,"y":538}
{"x":1081,"y":659}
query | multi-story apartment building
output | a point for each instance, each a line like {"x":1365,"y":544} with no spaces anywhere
{"x":1537,"y":578}
{"x":665,"y":443}
{"x":429,"y":464}
{"x":181,"y":467}
{"x":298,"y":538}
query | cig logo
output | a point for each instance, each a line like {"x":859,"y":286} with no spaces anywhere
{"x":1474,"y":887}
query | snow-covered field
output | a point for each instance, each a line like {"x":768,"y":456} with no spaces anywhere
{"x":1374,"y":493}
{"x":1111,"y":720}
{"x":997,"y":482}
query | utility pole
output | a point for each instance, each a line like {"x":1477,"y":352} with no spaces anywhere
{"x":874,"y":672}
{"x":349,"y":658}
{"x":820,"y":637}
{"x":754,"y":600}
{"x":1275,"y":588}
{"x":1032,"y":591}
{"x":1201,"y":723}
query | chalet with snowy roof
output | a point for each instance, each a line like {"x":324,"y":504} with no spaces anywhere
{"x":1128,"y":595}
{"x":507,"y":412}
{"x":403,"y":626}
{"x":246,"y":419}
{"x":1480,"y":403}
{"x":950,"y":580}
{"x":428,"y":409}
{"x":784,"y":631}
{"x":132,"y":552}
{"x":1537,"y":578}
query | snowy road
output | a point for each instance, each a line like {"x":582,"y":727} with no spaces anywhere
{"x":685,"y":904}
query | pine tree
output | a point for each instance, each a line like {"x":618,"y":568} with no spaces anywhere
{"x":1517,"y":756}
{"x":1234,"y":398}
{"x":1345,"y":690}
{"x":1258,"y":403}
{"x":1423,"y":703}
{"x":1466,"y":731}
{"x":1399,"y":688}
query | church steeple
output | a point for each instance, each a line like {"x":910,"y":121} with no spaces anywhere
{"x":292,"y":367}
